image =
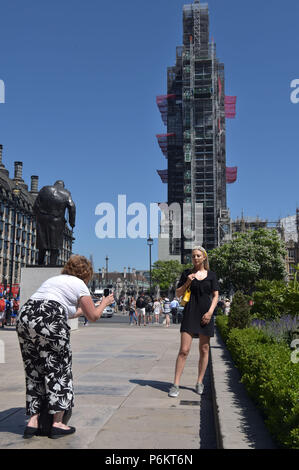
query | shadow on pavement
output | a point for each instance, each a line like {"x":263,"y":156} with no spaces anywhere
{"x":13,"y":420}
{"x":8,"y":328}
{"x":207,"y":432}
{"x":163,"y":386}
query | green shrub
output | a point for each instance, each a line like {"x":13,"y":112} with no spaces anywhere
{"x":270,"y":377}
{"x":273,"y":299}
{"x":269,"y":299}
{"x":239,"y":315}
{"x":222,"y":325}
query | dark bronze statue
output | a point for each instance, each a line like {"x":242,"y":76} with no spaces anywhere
{"x":49,"y":208}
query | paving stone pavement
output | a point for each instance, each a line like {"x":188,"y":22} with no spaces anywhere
{"x":122,"y":376}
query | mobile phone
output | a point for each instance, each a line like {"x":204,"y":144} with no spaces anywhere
{"x":106,"y":292}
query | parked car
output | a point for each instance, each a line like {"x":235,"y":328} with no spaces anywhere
{"x":108,"y":312}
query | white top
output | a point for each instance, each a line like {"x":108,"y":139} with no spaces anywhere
{"x":166,"y":306}
{"x":64,"y":289}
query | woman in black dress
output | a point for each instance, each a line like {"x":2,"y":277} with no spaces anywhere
{"x":198,"y":315}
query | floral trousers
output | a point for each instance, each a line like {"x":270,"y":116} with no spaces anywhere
{"x":44,"y":338}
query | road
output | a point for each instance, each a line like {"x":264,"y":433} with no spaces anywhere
{"x":118,"y":318}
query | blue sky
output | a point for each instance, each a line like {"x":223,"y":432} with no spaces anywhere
{"x":81,"y":80}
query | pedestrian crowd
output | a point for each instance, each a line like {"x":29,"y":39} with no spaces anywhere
{"x":147,"y":310}
{"x":9,"y":308}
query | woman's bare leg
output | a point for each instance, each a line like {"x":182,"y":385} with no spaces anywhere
{"x":186,"y":340}
{"x":33,"y":421}
{"x":57,"y":420}
{"x":204,"y":348}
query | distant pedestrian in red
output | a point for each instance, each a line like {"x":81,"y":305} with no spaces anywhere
{"x":2,"y":311}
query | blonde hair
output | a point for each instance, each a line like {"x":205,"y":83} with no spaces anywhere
{"x":206,"y":261}
{"x":80,"y":267}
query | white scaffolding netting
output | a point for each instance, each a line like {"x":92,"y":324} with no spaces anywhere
{"x":290,"y":228}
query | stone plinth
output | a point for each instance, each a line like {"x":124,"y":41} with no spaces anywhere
{"x":32,"y":278}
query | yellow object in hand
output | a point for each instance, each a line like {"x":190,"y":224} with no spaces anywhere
{"x":186,"y":297}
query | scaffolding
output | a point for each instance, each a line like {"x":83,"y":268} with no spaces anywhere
{"x":163,"y":140}
{"x":163,"y":175}
{"x":230,"y":107}
{"x":162,"y":103}
{"x":290,"y":227}
{"x":195,"y":110}
{"x":203,"y":111}
{"x":231,"y":174}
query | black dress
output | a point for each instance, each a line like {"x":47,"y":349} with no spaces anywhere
{"x":199,"y":304}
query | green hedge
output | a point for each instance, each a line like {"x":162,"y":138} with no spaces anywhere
{"x":222,"y":325}
{"x":270,"y":377}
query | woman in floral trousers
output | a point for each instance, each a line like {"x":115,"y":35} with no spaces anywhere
{"x":44,"y":338}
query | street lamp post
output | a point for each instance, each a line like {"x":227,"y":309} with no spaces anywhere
{"x":125,"y":283}
{"x":134,"y":276}
{"x":15,"y":194}
{"x":129,"y":279}
{"x":107,"y":270}
{"x":99,"y":278}
{"x":137,"y":283}
{"x":150,"y":242}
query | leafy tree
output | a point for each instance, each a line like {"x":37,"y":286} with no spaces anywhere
{"x":249,"y":257}
{"x":166,"y":273}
